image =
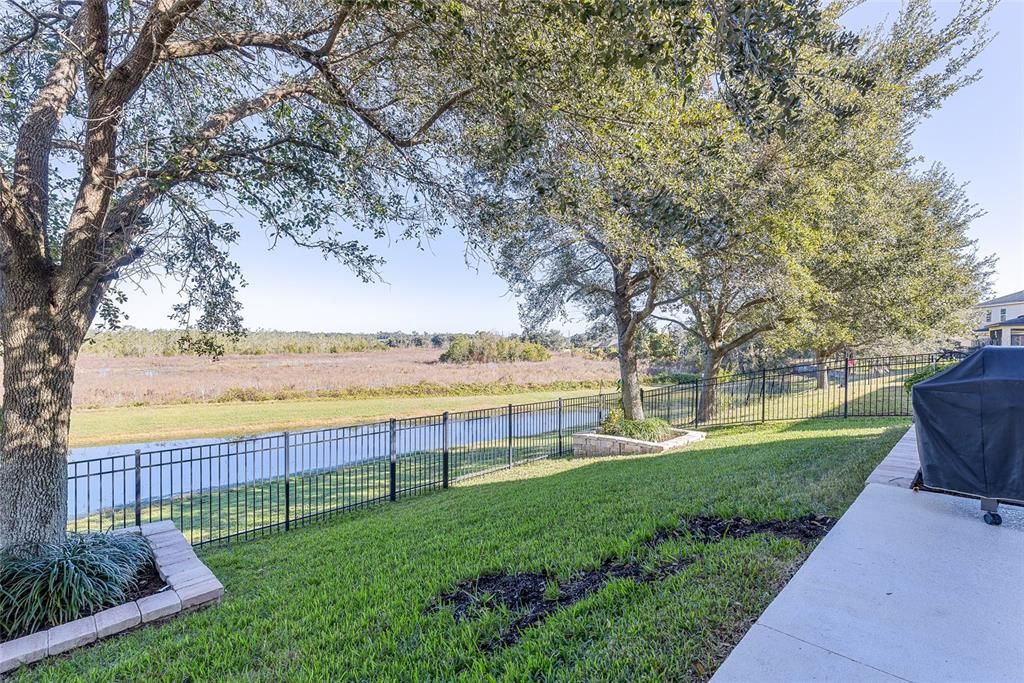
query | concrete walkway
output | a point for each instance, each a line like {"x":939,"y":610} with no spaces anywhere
{"x":907,"y":586}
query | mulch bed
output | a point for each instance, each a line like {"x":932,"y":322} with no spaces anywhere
{"x":148,"y":582}
{"x":526,"y":593}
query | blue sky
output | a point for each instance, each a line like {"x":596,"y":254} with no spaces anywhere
{"x":978,"y":135}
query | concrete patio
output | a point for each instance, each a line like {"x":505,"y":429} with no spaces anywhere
{"x":909,"y":586}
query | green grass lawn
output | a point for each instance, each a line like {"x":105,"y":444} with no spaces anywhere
{"x":140,"y":424}
{"x":351,"y":598}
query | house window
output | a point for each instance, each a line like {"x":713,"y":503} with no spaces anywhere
{"x":988,"y":315}
{"x":1002,"y":314}
{"x":1017,"y":338}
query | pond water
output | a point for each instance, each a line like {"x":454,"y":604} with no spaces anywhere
{"x":104,"y":477}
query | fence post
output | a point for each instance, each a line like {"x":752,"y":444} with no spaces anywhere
{"x":392,"y":465}
{"x":846,"y":386}
{"x":510,"y":436}
{"x":642,"y":406}
{"x":287,"y":483}
{"x":138,"y":487}
{"x":763,"y":382}
{"x":696,"y":403}
{"x":559,"y":427}
{"x":444,"y":447}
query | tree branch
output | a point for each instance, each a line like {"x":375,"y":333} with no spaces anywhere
{"x":31,"y":187}
{"x":371,"y":119}
{"x":283,"y":42}
{"x":164,"y":17}
{"x":750,"y":303}
{"x":122,"y":224}
{"x":286,"y":42}
{"x":50,"y":20}
{"x":446,"y":106}
{"x":747,"y":336}
{"x":178,"y":165}
{"x":97,"y":33}
{"x":688,"y":328}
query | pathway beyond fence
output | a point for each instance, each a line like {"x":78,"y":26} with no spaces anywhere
{"x":245,"y":487}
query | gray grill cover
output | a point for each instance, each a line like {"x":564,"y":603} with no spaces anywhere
{"x":970,"y":425}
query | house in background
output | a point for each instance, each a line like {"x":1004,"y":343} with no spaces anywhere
{"x":1002,"y":320}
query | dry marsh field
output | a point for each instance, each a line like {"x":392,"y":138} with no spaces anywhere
{"x":103,"y":381}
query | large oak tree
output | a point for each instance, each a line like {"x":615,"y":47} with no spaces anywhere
{"x":587,"y":232}
{"x":600,"y":214}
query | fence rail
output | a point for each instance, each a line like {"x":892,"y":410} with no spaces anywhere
{"x":252,"y":486}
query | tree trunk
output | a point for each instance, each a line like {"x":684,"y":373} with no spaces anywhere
{"x":40,"y":348}
{"x":629,"y":375}
{"x":821,"y":360}
{"x":632,"y":405}
{"x":713,"y":358}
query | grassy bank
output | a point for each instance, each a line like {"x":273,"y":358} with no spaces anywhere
{"x":141,"y":424}
{"x":357,"y":597}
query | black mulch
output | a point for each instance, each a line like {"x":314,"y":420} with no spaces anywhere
{"x":526,"y":595}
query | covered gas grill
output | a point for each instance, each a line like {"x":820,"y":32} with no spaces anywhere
{"x":970,"y":428}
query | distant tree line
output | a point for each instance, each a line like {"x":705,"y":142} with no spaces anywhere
{"x":132,"y":342}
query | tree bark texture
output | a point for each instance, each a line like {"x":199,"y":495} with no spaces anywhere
{"x":821,"y":363}
{"x":713,"y":358}
{"x":40,"y":349}
{"x":632,"y":403}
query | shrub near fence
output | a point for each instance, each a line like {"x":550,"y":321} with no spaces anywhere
{"x":247,"y":487}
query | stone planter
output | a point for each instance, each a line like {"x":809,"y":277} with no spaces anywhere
{"x":589,"y":444}
{"x":190,"y":585}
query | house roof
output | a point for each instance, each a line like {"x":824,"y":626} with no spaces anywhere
{"x":1015,"y":298}
{"x":1012,"y":322}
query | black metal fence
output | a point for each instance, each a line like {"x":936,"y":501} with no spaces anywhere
{"x":246,"y":487}
{"x":838,"y":388}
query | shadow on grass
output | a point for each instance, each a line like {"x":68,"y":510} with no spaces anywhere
{"x":534,"y":597}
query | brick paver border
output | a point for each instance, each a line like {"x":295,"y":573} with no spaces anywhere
{"x":190,"y":585}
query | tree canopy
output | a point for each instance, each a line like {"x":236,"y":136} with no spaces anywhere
{"x":820,"y":240}
{"x":668,"y":201}
{"x":603,"y":210}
